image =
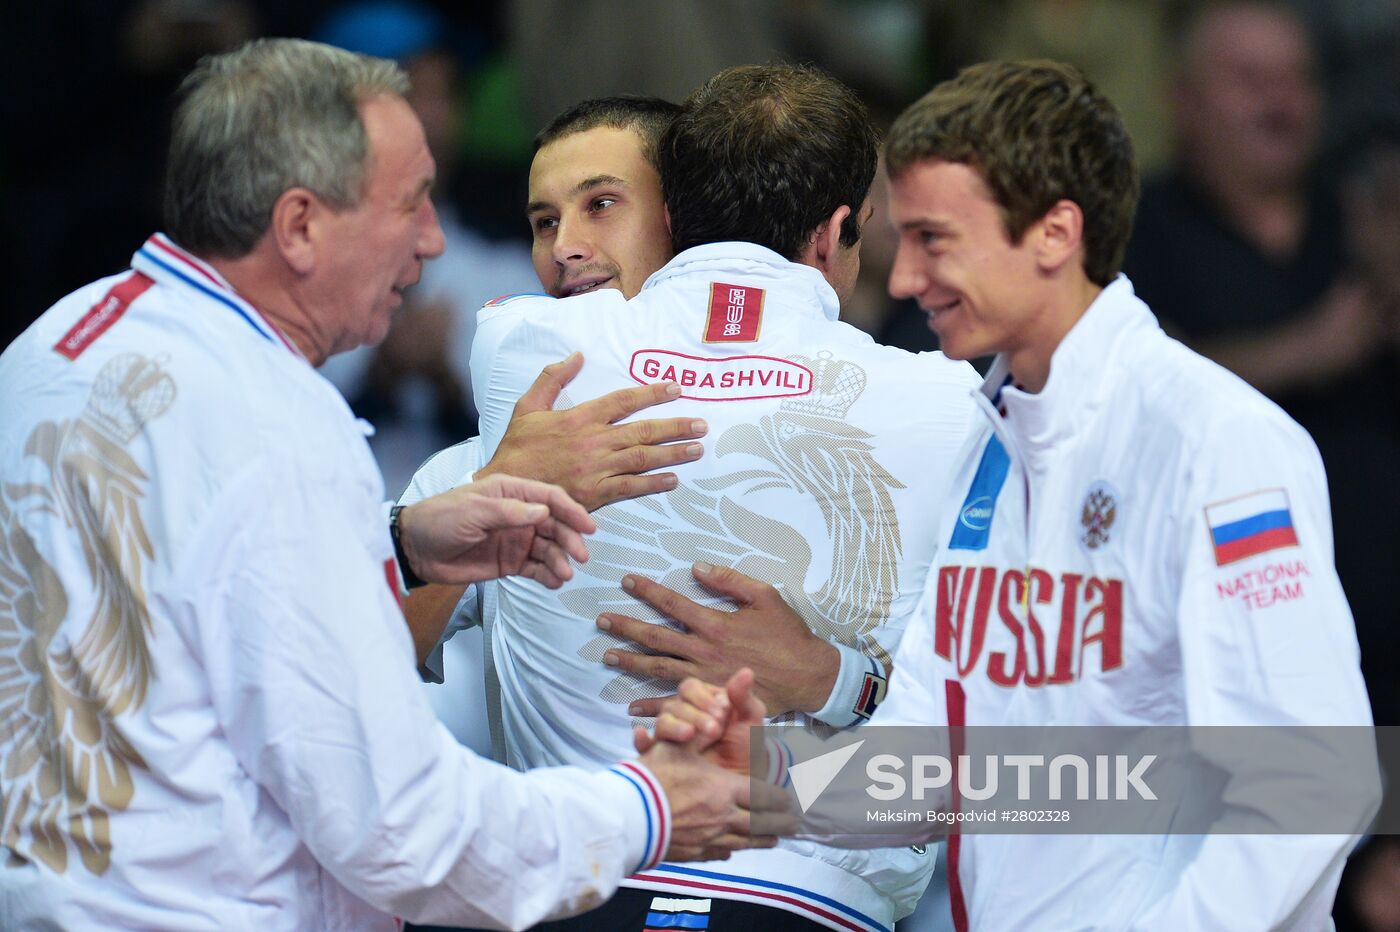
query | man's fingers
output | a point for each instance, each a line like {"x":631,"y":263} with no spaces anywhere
{"x":544,"y":391}
{"x":681,"y":723}
{"x":614,"y":406}
{"x":668,"y":602}
{"x":646,"y":708}
{"x":742,"y":696}
{"x":639,"y":459}
{"x":739,"y":689}
{"x":662,"y":639}
{"x":704,"y":696}
{"x":553,"y":559}
{"x":771,"y":802}
{"x":567,"y":539}
{"x":501,"y":514}
{"x":623,"y":487}
{"x":540,"y":574}
{"x":561,"y":506}
{"x":659,"y":430}
{"x":647,"y":665}
{"x":745,"y":590}
{"x":718,"y":849}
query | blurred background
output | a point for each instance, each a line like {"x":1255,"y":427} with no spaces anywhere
{"x":1268,"y":236}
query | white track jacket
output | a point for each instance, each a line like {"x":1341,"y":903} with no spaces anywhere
{"x":209,"y":716}
{"x":1146,"y":541}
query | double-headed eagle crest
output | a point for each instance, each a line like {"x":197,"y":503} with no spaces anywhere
{"x":809,"y":449}
{"x":73,"y":651}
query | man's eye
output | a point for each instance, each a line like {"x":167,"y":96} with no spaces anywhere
{"x":602,"y":203}
{"x":544,"y":224}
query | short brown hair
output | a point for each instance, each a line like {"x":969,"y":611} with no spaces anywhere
{"x":1037,"y":132}
{"x":648,"y":117}
{"x":764,"y":154}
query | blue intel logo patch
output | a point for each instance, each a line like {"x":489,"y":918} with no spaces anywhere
{"x":974,"y":526}
{"x":977,"y":514}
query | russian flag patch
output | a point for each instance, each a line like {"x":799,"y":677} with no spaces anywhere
{"x":872,"y":691}
{"x":1250,"y":525}
{"x":668,"y":914}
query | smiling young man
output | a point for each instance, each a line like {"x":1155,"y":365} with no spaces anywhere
{"x":597,"y":221}
{"x":1112,"y":525}
{"x":595,"y":205}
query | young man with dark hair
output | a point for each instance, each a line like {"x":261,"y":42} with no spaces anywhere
{"x":595,"y":197}
{"x":1131,"y":501}
{"x":822,"y":478}
{"x":597,"y":221}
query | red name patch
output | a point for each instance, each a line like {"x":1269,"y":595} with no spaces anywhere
{"x":102,"y":315}
{"x":728,"y":379}
{"x":735,"y":313}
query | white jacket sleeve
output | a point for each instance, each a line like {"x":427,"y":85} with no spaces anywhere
{"x":311,"y":671}
{"x":1267,"y":639}
{"x":444,"y":471}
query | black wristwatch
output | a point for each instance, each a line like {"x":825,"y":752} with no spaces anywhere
{"x":410,"y":578}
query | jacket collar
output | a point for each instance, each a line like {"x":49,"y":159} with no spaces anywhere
{"x":756,"y":265}
{"x":1078,"y":371}
{"x":167,"y":263}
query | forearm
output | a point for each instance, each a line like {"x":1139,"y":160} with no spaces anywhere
{"x":428,"y":610}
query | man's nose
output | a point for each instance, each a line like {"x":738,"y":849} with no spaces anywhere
{"x":907,"y":279}
{"x":431,"y":243}
{"x":570,"y":245}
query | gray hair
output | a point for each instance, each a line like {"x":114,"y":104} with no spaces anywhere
{"x":272,"y":115}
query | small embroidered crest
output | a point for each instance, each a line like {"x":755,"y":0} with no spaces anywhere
{"x":1098,"y":514}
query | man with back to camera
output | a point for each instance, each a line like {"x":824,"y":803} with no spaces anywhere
{"x":813,"y":480}
{"x":1133,"y":499}
{"x":208,"y":718}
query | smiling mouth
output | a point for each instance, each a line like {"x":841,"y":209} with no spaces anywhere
{"x":592,"y":284}
{"x":940,"y":309}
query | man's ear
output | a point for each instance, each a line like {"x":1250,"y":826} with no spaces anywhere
{"x":824,"y":244}
{"x":295,"y":217}
{"x":1059,"y":235}
{"x":666,"y":212}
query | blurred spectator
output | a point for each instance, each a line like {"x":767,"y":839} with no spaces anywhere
{"x":1122,"y":45}
{"x":1249,"y":252}
{"x":1358,"y":45}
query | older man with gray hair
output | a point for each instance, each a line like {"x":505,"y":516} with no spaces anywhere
{"x":209,"y":717}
